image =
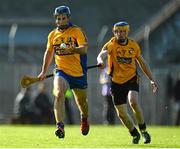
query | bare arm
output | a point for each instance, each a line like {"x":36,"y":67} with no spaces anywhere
{"x":82,"y":49}
{"x":146,"y":70}
{"x":48,"y":56}
{"x":144,"y":67}
{"x":102,"y":56}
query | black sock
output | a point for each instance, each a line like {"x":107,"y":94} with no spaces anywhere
{"x":142,"y":127}
{"x":60,"y":125}
{"x":134,"y":132}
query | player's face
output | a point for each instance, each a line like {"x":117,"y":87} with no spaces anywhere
{"x":120,"y":34}
{"x":62,"y":20}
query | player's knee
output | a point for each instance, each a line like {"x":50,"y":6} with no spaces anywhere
{"x":121,"y":114}
{"x":82,"y":103}
{"x":59,"y":95}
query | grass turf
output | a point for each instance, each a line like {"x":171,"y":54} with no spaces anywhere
{"x":100,"y":136}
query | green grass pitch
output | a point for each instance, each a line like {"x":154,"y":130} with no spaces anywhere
{"x":100,"y":136}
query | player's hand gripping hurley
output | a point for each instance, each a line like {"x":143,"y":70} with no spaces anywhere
{"x":27,"y":81}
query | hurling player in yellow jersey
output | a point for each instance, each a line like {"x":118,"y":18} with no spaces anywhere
{"x":71,"y":69}
{"x":122,"y":53}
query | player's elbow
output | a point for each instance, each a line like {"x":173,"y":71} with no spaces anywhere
{"x":85,"y":49}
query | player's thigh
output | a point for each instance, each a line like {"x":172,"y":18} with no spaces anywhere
{"x":80,"y":94}
{"x":133,"y":97}
{"x":60,"y":86}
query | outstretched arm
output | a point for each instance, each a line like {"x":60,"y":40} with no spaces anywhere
{"x":146,"y":70}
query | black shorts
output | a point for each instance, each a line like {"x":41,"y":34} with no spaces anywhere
{"x":120,"y":91}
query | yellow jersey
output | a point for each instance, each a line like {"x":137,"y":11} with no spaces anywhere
{"x":71,"y":63}
{"x":121,"y":60}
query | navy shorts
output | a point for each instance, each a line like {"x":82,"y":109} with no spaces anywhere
{"x":120,"y":91}
{"x":74,"y":82}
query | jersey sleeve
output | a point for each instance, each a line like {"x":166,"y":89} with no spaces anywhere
{"x":107,"y":46}
{"x":50,"y":41}
{"x":80,"y":37}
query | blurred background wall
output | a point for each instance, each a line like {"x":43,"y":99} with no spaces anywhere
{"x":155,"y":24}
